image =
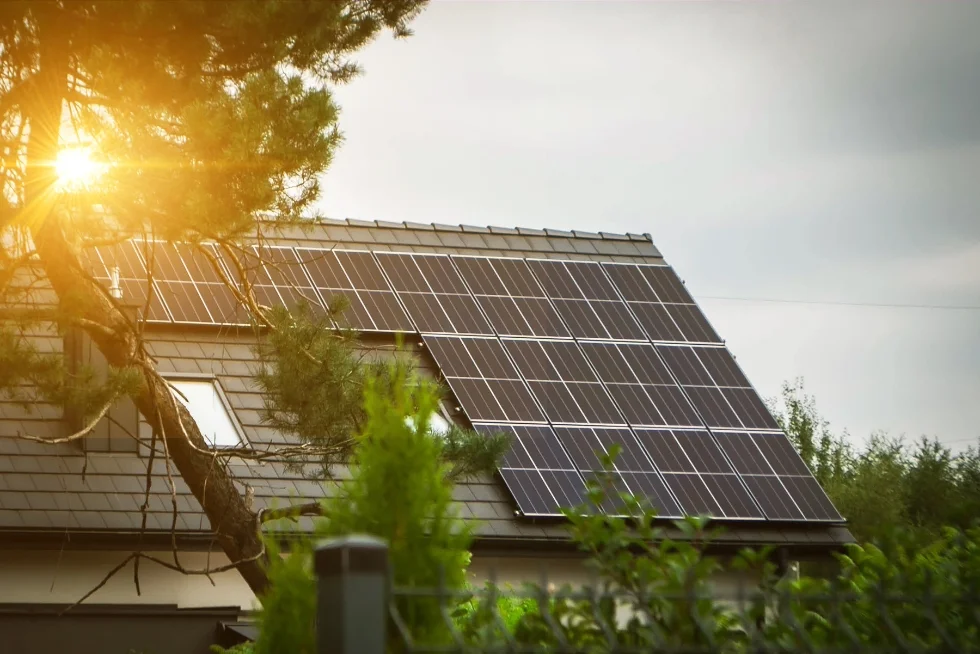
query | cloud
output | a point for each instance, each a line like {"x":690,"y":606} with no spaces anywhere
{"x":811,"y":151}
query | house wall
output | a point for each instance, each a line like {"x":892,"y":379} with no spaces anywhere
{"x":63,"y":577}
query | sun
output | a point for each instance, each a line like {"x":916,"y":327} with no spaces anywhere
{"x":76,"y":169}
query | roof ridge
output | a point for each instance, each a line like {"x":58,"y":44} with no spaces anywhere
{"x":524,"y":231}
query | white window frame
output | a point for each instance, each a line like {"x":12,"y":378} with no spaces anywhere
{"x":220,"y":400}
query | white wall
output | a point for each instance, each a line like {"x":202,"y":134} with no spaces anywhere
{"x":53,"y":577}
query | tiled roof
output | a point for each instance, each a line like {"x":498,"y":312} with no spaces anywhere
{"x":55,"y":489}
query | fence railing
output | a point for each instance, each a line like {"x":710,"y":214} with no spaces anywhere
{"x":359,"y":612}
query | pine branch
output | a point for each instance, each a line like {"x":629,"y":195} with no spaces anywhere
{"x":82,"y":433}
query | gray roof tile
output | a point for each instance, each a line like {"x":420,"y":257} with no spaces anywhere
{"x":531,"y":231}
{"x":14,"y":500}
{"x":451,"y":239}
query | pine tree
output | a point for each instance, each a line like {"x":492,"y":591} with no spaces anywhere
{"x":210,"y":117}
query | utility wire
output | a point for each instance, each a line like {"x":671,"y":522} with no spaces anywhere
{"x":880,"y":305}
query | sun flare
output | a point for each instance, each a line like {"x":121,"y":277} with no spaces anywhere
{"x":75,"y":168}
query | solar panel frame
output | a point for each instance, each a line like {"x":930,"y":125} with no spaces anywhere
{"x":758,"y":475}
{"x":465,"y":375}
{"x":133,"y":279}
{"x":565,"y":400}
{"x":186,"y":297}
{"x":537,"y":453}
{"x":667,"y":311}
{"x":683,"y":454}
{"x":512,"y":300}
{"x":631,"y":464}
{"x":645,"y":398}
{"x":586,"y":300}
{"x":720,"y":406}
{"x":777,"y":476}
{"x":428,"y":308}
{"x":373,"y":304}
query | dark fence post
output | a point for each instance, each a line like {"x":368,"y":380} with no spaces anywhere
{"x":352,"y":595}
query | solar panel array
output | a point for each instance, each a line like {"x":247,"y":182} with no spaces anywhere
{"x":568,"y":357}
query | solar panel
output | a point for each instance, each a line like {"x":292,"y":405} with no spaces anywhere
{"x":513,"y":301}
{"x":696,"y":470}
{"x":641,"y":385}
{"x":537,"y":471}
{"x":777,"y":476}
{"x":717,"y":388}
{"x":661,"y":303}
{"x":433,"y":294}
{"x":560,"y":378}
{"x":586,"y":300}
{"x":570,"y":357}
{"x":483,"y":379}
{"x":355,"y":279}
{"x":280,"y":279}
{"x":632,"y":473}
{"x":133,"y":279}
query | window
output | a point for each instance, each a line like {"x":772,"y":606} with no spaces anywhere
{"x":207,"y":405}
{"x":438,"y":425}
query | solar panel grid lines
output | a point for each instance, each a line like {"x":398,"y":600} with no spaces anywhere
{"x":433,"y":293}
{"x":511,"y":299}
{"x":717,"y":387}
{"x":133,"y":279}
{"x":777,"y":476}
{"x":661,"y":303}
{"x":563,"y":381}
{"x":538,"y":471}
{"x":586,"y":299}
{"x":483,"y":379}
{"x":355,"y":275}
{"x":632,"y":470}
{"x":698,"y":473}
{"x":640,"y":384}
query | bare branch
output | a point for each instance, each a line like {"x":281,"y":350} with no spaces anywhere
{"x":105,"y":580}
{"x":82,"y":433}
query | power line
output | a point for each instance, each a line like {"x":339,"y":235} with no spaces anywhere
{"x":878,"y":305}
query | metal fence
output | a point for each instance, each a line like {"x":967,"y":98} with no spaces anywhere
{"x":359,"y":612}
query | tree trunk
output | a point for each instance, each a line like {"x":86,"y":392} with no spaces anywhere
{"x":233,"y":522}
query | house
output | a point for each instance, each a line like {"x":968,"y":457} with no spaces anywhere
{"x":568,"y":339}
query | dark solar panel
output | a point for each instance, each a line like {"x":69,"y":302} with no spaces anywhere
{"x":434,"y":295}
{"x":133,"y":279}
{"x":538,"y":472}
{"x":354,"y":281}
{"x":586,"y":300}
{"x":641,"y":385}
{"x":482,"y":379}
{"x":772,"y":496}
{"x":514,"y":303}
{"x":695,"y":436}
{"x":661,"y":303}
{"x":811,"y":499}
{"x":560,"y":378}
{"x":717,"y":388}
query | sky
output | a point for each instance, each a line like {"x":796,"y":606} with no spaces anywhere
{"x":819,"y":152}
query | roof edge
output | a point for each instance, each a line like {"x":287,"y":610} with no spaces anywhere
{"x":442,"y":227}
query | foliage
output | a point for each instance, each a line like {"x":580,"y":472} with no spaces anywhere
{"x":654,"y":593}
{"x":313,"y":379}
{"x":888,"y":484}
{"x":399,"y":490}
{"x":213,"y":122}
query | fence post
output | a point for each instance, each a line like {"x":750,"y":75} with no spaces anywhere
{"x":352,"y":595}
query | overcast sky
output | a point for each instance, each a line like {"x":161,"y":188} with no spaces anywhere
{"x":812,"y":152}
